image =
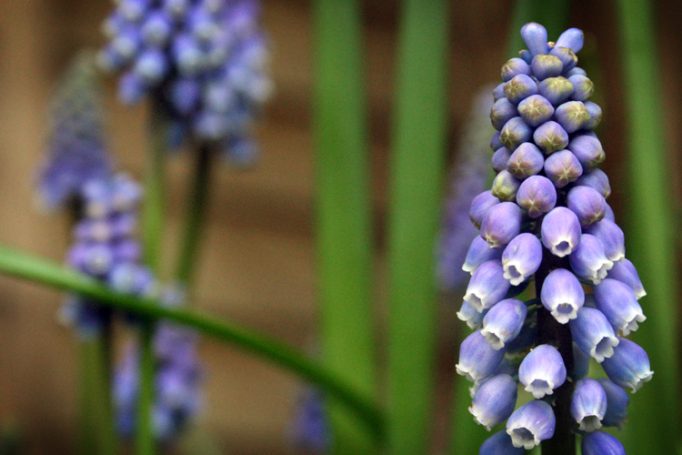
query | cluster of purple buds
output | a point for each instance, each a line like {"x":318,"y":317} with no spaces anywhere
{"x":177,"y":392}
{"x":546,"y":216}
{"x":204,"y":62}
{"x":310,"y":430}
{"x":106,"y":249}
{"x":469,"y":175}
{"x":76,"y":150}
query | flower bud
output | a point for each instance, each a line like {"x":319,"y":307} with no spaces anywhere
{"x":560,"y":231}
{"x":494,"y":400}
{"x":514,"y":67}
{"x":503,"y":322}
{"x":495,"y":142}
{"x":536,"y":195}
{"x":501,"y":224}
{"x":582,"y":87}
{"x":535,"y":37}
{"x":498,"y":91}
{"x":562,"y":295}
{"x":505,"y":186}
{"x":514,"y":132}
{"x":542,"y":371}
{"x":581,"y":364}
{"x":556,"y":89}
{"x":587,"y":204}
{"x":531,"y":424}
{"x":629,"y":365}
{"x":588,"y":404}
{"x":479,"y":252}
{"x":470,"y":316}
{"x":501,"y":112}
{"x":500,"y":159}
{"x":600,"y":443}
{"x":519,"y":87}
{"x":487,"y":286}
{"x":499,"y":444}
{"x":617,"y":401}
{"x":625,"y":272}
{"x":576,"y":70}
{"x":566,"y":55}
{"x":618,"y":303}
{"x":526,"y":56}
{"x":563,"y":168}
{"x":608,"y":213}
{"x":589,"y":261}
{"x":521,"y":258}
{"x":611,"y":237}
{"x":477,"y":359}
{"x":546,"y":65}
{"x":550,"y":137}
{"x":588,"y":149}
{"x":593,"y":334}
{"x":595,"y":115}
{"x":572,"y":116}
{"x":526,"y":160}
{"x":598,"y":180}
{"x":535,"y":110}
{"x":480,"y":206}
{"x":572,"y":39}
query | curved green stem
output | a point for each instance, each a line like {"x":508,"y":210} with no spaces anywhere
{"x":28,"y":267}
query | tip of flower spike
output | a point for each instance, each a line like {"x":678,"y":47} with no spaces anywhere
{"x":535,"y":37}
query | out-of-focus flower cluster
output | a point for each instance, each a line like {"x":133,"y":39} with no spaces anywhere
{"x":76,"y":150}
{"x":547,"y":216}
{"x":204,"y":62}
{"x":469,"y":175}
{"x":310,"y":430}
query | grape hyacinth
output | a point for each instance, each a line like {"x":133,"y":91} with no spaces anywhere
{"x":106,"y":249}
{"x":203,"y":62}
{"x":76,"y":151}
{"x":469,"y":174}
{"x":310,"y":430}
{"x":546,"y":220}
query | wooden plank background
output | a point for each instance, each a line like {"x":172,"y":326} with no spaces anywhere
{"x":257,"y":264}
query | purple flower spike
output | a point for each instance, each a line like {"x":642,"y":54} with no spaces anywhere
{"x":599,"y":443}
{"x":478,"y":253}
{"x":494,"y":400}
{"x":542,"y":371}
{"x":505,"y":186}
{"x":501,"y":112}
{"x":536,"y":195}
{"x":589,"y":261}
{"x":477,"y":359}
{"x":625,"y":271}
{"x":550,"y":137}
{"x":593,"y":334}
{"x":501,"y":224}
{"x":572,"y":116}
{"x":480,"y":206}
{"x":503,"y":322}
{"x":587,"y":203}
{"x":521,"y":258}
{"x":515,"y":132}
{"x":535,"y":37}
{"x":470,"y":316}
{"x":572,"y":39}
{"x":520,"y":87}
{"x":618,"y":303}
{"x":500,"y":444}
{"x":531,"y":424}
{"x":598,"y":180}
{"x":588,"y":149}
{"x":629,"y":366}
{"x":500,"y":158}
{"x":588,"y":404}
{"x":526,"y":160}
{"x":612,"y":237}
{"x":513,"y":67}
{"x":556,"y":89}
{"x":617,"y":401}
{"x":487,"y":286}
{"x":544,"y":66}
{"x":535,"y":110}
{"x":562,"y":295}
{"x":563,"y":168}
{"x":560,"y":231}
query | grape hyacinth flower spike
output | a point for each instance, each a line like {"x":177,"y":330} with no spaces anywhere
{"x":546,"y":220}
{"x":204,"y":63}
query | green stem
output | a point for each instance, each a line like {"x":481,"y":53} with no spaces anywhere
{"x":144,"y":436}
{"x":102,"y":405}
{"x":31,"y":268}
{"x":344,"y":246}
{"x":196,"y":206}
{"x":154,"y":187}
{"x":419,"y":134}
{"x":650,"y":244}
{"x":87,"y":427}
